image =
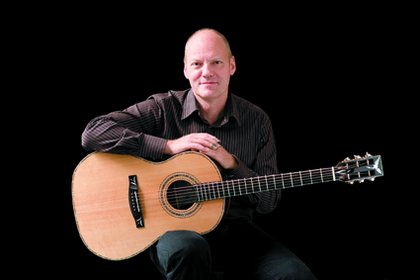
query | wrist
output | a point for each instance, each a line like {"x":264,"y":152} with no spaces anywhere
{"x":233,"y":163}
{"x":167,"y":150}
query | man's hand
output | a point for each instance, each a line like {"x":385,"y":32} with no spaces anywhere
{"x":204,"y":143}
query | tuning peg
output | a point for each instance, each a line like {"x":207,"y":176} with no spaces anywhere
{"x":361,"y":181}
{"x":347,"y":159}
{"x":372,"y":179}
{"x":357,"y":157}
{"x":368,"y":155}
{"x":350,"y":182}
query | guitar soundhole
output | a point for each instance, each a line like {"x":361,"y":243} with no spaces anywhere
{"x":181,"y":195}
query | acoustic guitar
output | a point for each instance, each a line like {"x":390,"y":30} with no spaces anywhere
{"x":123,"y":204}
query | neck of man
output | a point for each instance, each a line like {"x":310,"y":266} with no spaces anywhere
{"x":211,"y":110}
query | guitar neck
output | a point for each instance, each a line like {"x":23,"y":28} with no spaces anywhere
{"x":238,"y":187}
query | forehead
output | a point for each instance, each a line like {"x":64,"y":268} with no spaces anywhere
{"x":206,"y":43}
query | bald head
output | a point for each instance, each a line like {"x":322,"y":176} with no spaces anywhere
{"x":205,"y":36}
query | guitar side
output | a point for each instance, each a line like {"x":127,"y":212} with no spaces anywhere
{"x":101,"y":204}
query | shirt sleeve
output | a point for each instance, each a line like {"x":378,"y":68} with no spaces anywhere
{"x":129,"y":131}
{"x":265,"y":164}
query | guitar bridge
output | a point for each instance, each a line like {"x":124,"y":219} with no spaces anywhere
{"x":134,"y":200}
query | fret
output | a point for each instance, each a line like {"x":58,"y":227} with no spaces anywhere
{"x":231,"y":188}
{"x":287,"y":183}
{"x":246,"y":188}
{"x":206,"y":191}
{"x":266,"y":182}
{"x":316,"y":176}
{"x":198,"y":190}
{"x":329,"y":174}
{"x":296,"y":179}
{"x":275,"y":183}
{"x":202,"y":193}
{"x":203,"y":189}
{"x":300,"y":176}
{"x":310,"y":176}
{"x":239,"y":187}
{"x":306,"y":180}
{"x":282,"y":181}
{"x":195,"y":188}
{"x":227,"y":187}
{"x":213,"y":191}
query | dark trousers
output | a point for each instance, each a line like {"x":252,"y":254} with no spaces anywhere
{"x":237,"y":247}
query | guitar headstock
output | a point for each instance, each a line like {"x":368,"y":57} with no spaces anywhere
{"x":359,"y":169}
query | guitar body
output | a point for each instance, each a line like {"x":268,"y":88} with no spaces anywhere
{"x":103,"y":208}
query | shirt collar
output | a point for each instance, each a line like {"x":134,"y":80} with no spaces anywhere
{"x":190,"y":106}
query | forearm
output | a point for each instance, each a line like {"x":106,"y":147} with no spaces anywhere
{"x":265,"y":163}
{"x":108,"y":134}
{"x":264,"y":202}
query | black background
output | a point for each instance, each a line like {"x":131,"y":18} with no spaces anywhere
{"x":327,"y":79}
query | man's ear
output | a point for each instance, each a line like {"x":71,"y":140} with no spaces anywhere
{"x":185,"y":71}
{"x":232,"y":65}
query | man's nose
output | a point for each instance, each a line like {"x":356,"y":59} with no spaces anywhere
{"x":207,"y":71}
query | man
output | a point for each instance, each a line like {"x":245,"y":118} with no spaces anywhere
{"x":236,"y":135}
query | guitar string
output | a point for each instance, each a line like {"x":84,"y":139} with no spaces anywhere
{"x":211,"y":190}
{"x":191,"y":200}
{"x":285,"y":177}
{"x":290,"y":177}
{"x":188,"y":194}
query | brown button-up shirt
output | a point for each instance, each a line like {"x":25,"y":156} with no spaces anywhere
{"x":142,"y":130}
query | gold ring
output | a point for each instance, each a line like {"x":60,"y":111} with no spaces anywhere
{"x":213,"y":146}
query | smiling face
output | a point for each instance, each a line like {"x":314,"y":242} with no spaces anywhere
{"x":208,"y":65}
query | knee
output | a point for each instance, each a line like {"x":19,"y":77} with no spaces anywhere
{"x":182,"y":255}
{"x":297,"y":270}
{"x":187,"y":243}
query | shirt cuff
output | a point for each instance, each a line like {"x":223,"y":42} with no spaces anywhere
{"x":241,"y":171}
{"x":152,"y":147}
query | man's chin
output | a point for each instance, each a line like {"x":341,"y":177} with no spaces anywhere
{"x":207,"y":91}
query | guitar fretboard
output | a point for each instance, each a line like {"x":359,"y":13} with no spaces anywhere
{"x":237,"y":187}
